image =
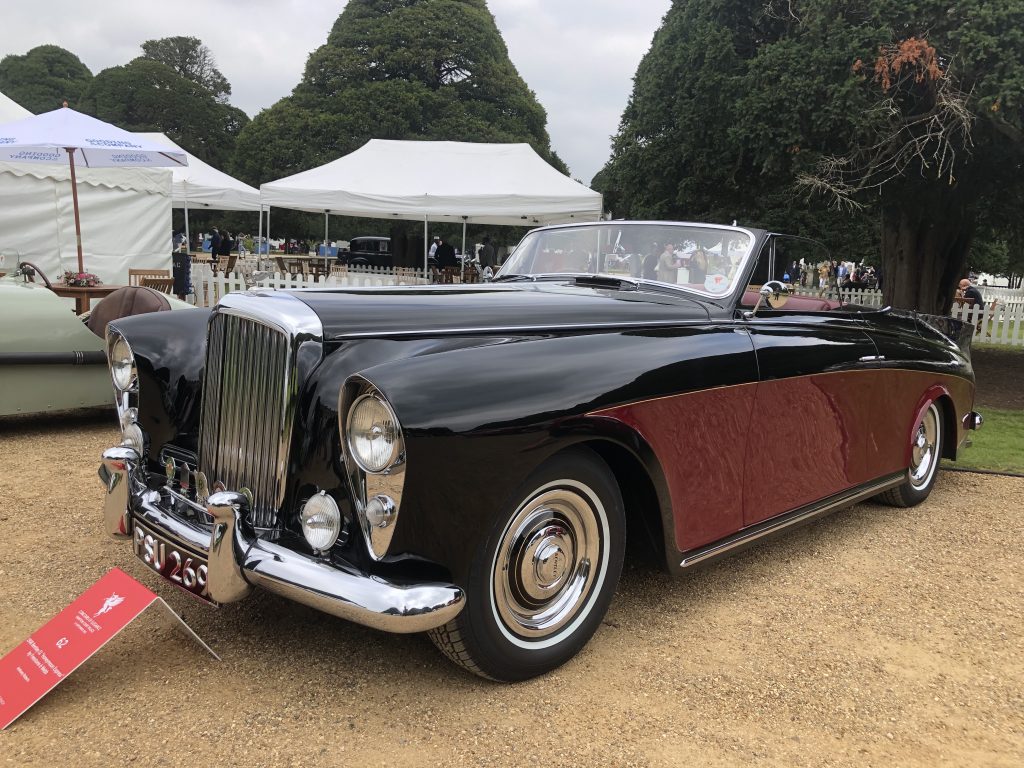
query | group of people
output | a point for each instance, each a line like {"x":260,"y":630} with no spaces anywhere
{"x":833,"y":274}
{"x":443,"y":254}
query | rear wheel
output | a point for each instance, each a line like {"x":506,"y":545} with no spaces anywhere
{"x":540,"y":586}
{"x":925,"y":454}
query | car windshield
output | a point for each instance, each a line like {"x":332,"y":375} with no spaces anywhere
{"x":701,"y":258}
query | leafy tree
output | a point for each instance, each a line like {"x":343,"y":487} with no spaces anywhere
{"x":146,"y":95}
{"x":397,"y":69}
{"x":903,"y":120}
{"x":192,"y":60}
{"x":44,"y":78}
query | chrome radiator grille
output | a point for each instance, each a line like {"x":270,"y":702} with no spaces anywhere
{"x":247,"y":418}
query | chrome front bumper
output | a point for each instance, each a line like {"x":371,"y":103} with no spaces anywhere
{"x":238,"y":560}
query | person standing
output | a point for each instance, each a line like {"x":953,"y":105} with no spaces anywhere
{"x":445,"y":253}
{"x":486,"y":254}
{"x":969,"y":295}
{"x":668,"y":265}
{"x":433,"y":247}
{"x":215,"y":239}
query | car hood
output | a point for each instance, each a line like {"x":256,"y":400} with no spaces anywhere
{"x":428,"y":310}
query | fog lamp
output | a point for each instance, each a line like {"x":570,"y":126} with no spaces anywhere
{"x":380,"y":512}
{"x":321,"y":521}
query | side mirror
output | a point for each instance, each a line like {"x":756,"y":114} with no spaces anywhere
{"x":775,"y":293}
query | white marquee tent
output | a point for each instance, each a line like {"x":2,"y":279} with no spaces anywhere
{"x":199,"y":185}
{"x":10,"y":110}
{"x":438,"y":181}
{"x":125,"y":214}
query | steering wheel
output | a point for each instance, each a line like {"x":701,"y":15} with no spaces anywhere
{"x":36,"y":270}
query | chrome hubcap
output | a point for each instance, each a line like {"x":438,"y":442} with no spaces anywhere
{"x":546,"y":563}
{"x":924,"y":448}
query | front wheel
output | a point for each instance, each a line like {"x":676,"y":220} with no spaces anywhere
{"x":540,"y":586}
{"x":925,"y":454}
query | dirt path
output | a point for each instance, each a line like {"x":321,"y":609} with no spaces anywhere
{"x":877,"y":637}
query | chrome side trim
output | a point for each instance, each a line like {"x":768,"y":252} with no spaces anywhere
{"x":478,"y":331}
{"x":759,"y":531}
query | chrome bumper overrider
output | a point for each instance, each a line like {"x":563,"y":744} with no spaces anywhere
{"x":238,"y":560}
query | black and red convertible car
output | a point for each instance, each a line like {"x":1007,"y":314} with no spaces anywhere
{"x":470,"y":461}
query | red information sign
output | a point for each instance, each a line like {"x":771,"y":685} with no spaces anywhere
{"x":36,"y":666}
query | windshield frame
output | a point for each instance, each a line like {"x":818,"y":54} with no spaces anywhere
{"x":743,"y":265}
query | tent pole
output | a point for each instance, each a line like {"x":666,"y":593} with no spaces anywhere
{"x":426,"y":235}
{"x":326,"y":239}
{"x":464,"y":240}
{"x":74,"y":199}
{"x":188,"y":238}
{"x":268,"y":233}
{"x":259,"y":243}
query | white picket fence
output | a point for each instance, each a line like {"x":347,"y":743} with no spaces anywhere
{"x":1000,"y":322}
{"x":209,"y":287}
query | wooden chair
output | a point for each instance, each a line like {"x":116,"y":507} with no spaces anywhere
{"x":136,"y":276}
{"x":281,"y":266}
{"x":162,"y":284}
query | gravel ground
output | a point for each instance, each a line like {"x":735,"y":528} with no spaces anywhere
{"x":876,"y":637}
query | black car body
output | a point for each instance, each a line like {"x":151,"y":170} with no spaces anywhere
{"x":469,"y":460}
{"x":367,"y":251}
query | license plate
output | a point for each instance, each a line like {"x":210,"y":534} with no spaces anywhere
{"x":180,"y":566}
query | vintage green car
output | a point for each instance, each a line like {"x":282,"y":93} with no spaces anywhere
{"x":52,"y":359}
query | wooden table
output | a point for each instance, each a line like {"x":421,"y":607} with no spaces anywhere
{"x":83,"y":294}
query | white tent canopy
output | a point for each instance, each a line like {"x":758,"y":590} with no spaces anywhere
{"x":11,"y":110}
{"x":506,"y":184}
{"x":126,"y":215}
{"x":199,"y":185}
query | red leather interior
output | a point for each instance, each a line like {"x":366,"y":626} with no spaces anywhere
{"x":799,"y":303}
{"x":124,"y":302}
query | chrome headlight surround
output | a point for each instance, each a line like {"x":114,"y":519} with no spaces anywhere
{"x":376,"y":486}
{"x":124,"y":375}
{"x":371,"y":420}
{"x":121,"y":361}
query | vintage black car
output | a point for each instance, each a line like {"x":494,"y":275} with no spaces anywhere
{"x":367,"y":251}
{"x":470,"y":460}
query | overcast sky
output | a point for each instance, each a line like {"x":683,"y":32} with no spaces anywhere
{"x":578,"y":56}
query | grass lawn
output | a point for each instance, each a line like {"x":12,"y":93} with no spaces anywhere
{"x":998,"y":445}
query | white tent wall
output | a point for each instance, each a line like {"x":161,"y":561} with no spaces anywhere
{"x":125,"y":215}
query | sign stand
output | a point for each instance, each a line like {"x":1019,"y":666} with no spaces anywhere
{"x":70,"y":638}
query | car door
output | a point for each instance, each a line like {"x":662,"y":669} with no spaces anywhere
{"x":809,"y":425}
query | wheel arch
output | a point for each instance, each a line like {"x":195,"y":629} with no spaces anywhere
{"x":650,"y":525}
{"x":940,"y":395}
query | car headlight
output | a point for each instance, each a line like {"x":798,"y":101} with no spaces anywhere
{"x":122,"y":363}
{"x":374,"y":436}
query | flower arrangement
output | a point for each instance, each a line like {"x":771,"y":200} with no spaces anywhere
{"x":82,"y":279}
